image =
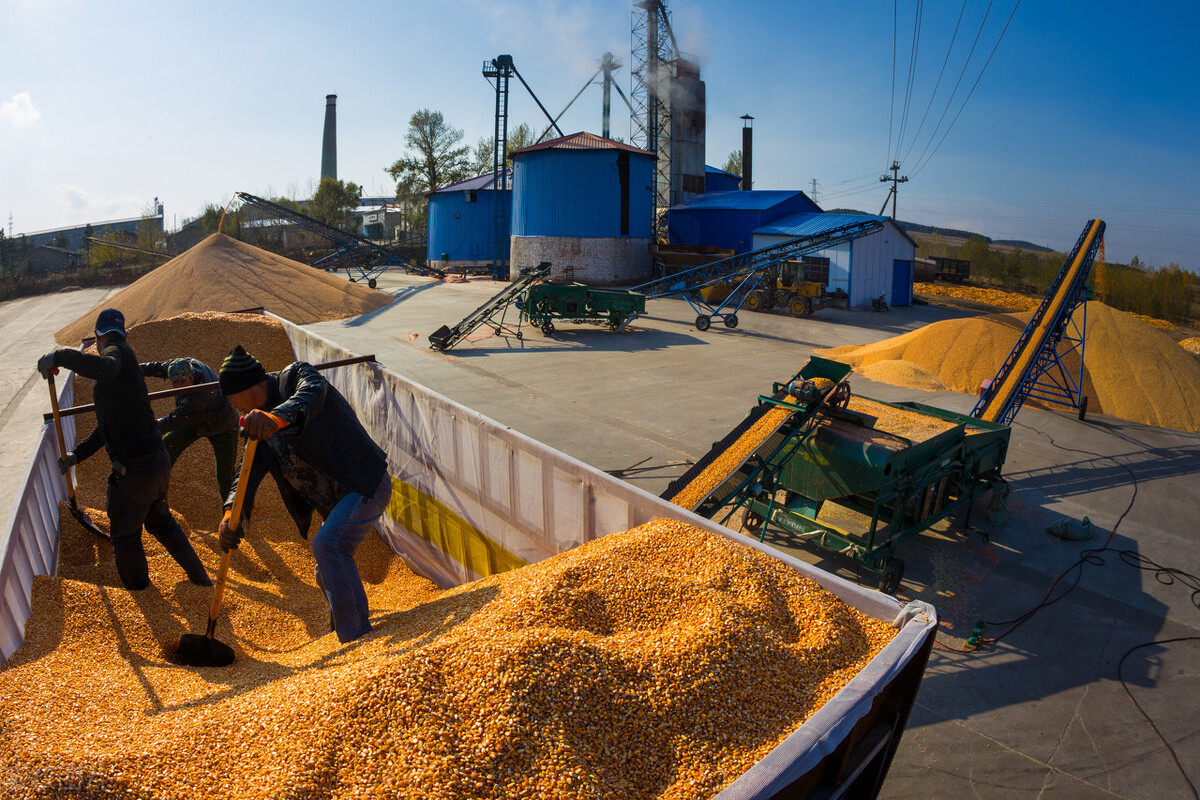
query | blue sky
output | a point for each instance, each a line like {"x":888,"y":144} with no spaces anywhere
{"x":1084,"y":110}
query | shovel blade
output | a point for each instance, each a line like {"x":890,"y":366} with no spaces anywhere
{"x":86,"y":521}
{"x":202,"y":651}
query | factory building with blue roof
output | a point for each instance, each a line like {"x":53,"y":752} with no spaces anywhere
{"x":462,"y":223}
{"x":876,"y":263}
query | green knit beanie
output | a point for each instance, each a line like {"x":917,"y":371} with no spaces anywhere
{"x":240,"y":371}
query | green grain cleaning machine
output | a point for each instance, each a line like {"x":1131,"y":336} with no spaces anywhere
{"x":544,"y":303}
{"x":844,"y":474}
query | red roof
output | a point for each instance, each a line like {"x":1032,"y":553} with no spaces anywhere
{"x":581,"y":141}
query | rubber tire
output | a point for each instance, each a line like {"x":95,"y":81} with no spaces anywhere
{"x":547,"y":328}
{"x":798,"y":307}
{"x":371,"y":283}
{"x":893,"y":573}
{"x":703,"y":323}
{"x":755,"y":301}
{"x":731,"y":321}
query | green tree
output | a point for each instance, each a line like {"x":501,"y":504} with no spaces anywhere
{"x":734,"y":163}
{"x":481,"y":160}
{"x":435,"y":158}
{"x":334,"y":203}
{"x":61,"y":241}
{"x":150,"y":233}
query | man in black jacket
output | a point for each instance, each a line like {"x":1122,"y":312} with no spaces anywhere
{"x":200,"y":414}
{"x":141,"y":469}
{"x":320,"y":457}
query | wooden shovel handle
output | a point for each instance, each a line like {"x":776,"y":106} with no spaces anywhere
{"x":62,"y":444}
{"x":235,"y":519}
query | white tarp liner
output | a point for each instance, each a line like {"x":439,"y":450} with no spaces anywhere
{"x":473,"y":497}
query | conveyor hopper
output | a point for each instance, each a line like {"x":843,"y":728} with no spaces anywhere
{"x":847,"y":474}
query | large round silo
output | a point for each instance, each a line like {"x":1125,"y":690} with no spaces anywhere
{"x":583,"y":203}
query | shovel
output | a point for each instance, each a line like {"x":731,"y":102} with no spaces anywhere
{"x":72,"y":506}
{"x":204,"y":651}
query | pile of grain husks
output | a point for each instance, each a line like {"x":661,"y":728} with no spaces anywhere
{"x":1131,"y":370}
{"x":662,"y":661}
{"x":223,"y":274}
{"x":659,"y":662}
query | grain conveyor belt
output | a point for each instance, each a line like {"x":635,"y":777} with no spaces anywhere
{"x":1015,"y":378}
{"x":722,"y":463}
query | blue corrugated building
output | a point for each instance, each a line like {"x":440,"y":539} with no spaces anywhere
{"x":877,"y":263}
{"x":728,"y":219}
{"x":718,"y":180}
{"x":462,"y":220}
{"x":583,"y":203}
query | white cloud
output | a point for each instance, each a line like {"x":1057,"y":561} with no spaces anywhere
{"x":20,"y":111}
{"x":77,"y":204}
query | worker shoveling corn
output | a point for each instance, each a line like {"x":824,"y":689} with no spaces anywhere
{"x":662,"y":661}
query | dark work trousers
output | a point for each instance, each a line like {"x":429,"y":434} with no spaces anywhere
{"x":224,"y":447}
{"x":137,"y":498}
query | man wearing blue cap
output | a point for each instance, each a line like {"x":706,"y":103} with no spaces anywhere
{"x":141,"y":469}
{"x":203,"y":414}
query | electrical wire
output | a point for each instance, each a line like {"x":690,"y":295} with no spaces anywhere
{"x":1166,"y":576}
{"x":892,"y":104}
{"x":912,"y":71}
{"x":1000,"y":38}
{"x":937,"y":85}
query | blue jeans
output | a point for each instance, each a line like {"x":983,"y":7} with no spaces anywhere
{"x":333,"y":549}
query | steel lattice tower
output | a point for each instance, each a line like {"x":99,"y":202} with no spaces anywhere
{"x":653,"y":50}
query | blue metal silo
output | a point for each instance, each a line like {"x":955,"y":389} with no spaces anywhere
{"x":583,"y":203}
{"x":461,"y":219}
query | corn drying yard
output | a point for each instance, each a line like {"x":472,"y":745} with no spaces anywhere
{"x":657,"y":662}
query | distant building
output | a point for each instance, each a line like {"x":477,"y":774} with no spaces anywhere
{"x":728,"y":219}
{"x":718,"y":180}
{"x":76,"y":233}
{"x":878,"y":263}
{"x":47,"y":258}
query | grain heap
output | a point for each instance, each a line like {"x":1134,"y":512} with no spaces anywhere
{"x":1192,"y":345}
{"x":224,"y":274}
{"x":662,"y":661}
{"x":1131,"y":370}
{"x":992,"y":297}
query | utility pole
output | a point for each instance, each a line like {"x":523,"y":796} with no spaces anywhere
{"x":895,"y":179}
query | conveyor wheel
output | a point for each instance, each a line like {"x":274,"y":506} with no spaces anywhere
{"x":731,"y":321}
{"x":893,"y":573}
{"x":547,"y":328}
{"x":751,"y":521}
{"x":371,"y":283}
{"x":702,"y":323}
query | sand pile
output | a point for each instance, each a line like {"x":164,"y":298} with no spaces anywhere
{"x":223,"y":274}
{"x":663,"y":661}
{"x":1131,"y":370}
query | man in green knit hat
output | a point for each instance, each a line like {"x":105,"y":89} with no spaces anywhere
{"x":321,"y":458}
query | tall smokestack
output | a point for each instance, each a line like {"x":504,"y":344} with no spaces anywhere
{"x":747,"y":152}
{"x":329,"y":143}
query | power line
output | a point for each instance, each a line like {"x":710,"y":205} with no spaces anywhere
{"x":999,"y":39}
{"x":937,"y":85}
{"x":892,"y":104}
{"x":912,"y":71}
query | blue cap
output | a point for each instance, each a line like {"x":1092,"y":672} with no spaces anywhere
{"x":110,"y":321}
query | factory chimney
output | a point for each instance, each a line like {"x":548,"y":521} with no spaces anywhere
{"x":329,"y":143}
{"x":747,"y":152}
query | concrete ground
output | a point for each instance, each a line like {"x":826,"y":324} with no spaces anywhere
{"x":1041,"y":713}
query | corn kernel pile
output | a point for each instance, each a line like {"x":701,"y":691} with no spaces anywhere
{"x":658,"y":662}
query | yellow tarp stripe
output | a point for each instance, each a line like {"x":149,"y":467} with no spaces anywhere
{"x":442,"y":527}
